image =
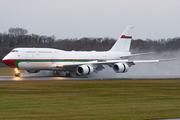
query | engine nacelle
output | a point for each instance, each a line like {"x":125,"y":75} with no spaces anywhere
{"x":32,"y":71}
{"x":120,"y":67}
{"x":84,"y":70}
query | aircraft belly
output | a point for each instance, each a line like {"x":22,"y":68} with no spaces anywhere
{"x":34,"y":65}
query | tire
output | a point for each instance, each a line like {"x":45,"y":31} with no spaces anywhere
{"x":18,"y":75}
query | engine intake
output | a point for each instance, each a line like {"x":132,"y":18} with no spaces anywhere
{"x":84,"y":70}
{"x":120,"y":67}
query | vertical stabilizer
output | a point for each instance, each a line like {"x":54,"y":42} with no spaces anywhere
{"x":124,"y":41}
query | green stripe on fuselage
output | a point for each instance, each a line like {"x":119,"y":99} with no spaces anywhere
{"x":17,"y":62}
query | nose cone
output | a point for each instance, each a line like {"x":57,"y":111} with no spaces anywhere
{"x":8,"y":62}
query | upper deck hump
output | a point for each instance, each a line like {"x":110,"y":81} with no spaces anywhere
{"x":36,"y":50}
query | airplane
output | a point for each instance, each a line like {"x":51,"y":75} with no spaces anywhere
{"x":75,"y":63}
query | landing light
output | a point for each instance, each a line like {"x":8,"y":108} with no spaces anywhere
{"x":59,"y":65}
{"x":16,"y":70}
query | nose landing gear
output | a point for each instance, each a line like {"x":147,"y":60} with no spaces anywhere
{"x":17,"y":72}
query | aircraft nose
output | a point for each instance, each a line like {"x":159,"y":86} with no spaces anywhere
{"x":8,"y":62}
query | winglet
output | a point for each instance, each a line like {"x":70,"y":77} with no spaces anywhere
{"x":168,"y":59}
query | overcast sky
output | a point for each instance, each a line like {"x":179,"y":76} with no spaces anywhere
{"x":153,"y":19}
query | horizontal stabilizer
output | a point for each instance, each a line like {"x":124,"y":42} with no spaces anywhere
{"x":138,"y":54}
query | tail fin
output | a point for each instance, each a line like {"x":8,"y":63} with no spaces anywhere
{"x":124,"y":41}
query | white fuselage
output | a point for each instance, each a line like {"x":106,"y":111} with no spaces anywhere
{"x":47,"y":58}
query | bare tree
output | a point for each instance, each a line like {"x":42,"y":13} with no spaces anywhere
{"x":17,"y":31}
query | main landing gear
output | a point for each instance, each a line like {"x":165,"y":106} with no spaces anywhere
{"x":17,"y":72}
{"x":62,"y":73}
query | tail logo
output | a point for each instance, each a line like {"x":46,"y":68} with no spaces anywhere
{"x":127,"y":37}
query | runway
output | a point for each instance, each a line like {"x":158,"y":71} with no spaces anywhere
{"x":52,"y":78}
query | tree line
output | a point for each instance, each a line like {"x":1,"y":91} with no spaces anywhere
{"x":19,"y":37}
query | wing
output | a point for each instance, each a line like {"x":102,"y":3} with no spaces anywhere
{"x":86,"y":68}
{"x":129,"y":62}
{"x":98,"y":65}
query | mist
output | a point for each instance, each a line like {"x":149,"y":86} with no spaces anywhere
{"x":164,"y":69}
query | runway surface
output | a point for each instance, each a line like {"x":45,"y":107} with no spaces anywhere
{"x":49,"y":78}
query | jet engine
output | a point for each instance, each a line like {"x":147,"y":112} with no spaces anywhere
{"x":84,"y":70}
{"x":120,"y":67}
{"x":32,"y":71}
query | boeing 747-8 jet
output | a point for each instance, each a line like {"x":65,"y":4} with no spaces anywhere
{"x":76,"y":63}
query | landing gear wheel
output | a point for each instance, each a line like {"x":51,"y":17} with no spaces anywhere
{"x":18,"y":75}
{"x":68,"y":74}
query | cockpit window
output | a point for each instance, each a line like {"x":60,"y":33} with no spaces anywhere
{"x":14,"y":51}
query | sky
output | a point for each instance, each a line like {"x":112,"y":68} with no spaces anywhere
{"x":153,"y":19}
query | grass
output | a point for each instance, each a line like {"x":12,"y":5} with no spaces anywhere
{"x":8,"y":71}
{"x":99,"y":100}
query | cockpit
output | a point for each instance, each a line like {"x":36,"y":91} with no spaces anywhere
{"x":14,"y":51}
